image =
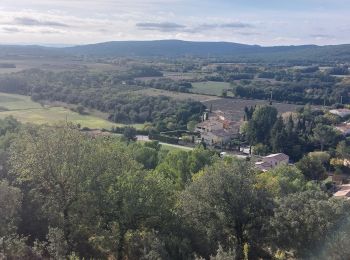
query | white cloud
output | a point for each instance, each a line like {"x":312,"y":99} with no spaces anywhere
{"x":88,"y":21}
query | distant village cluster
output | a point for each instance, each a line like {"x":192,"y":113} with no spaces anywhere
{"x":219,"y":128}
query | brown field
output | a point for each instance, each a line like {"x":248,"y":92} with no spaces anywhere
{"x":177,"y":95}
{"x":236,"y":106}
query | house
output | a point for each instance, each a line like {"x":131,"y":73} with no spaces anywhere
{"x":218,"y":127}
{"x":263,"y":166}
{"x":343,"y":191}
{"x":209,"y":126}
{"x":343,"y":112}
{"x":344,"y":128}
{"x":220,"y":136}
{"x":276,"y":159}
{"x":271,"y":161}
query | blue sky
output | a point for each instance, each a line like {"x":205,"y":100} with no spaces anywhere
{"x":264,"y":22}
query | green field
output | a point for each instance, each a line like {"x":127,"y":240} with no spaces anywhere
{"x":210,"y":87}
{"x":27,"y":111}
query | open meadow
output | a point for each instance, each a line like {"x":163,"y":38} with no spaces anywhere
{"x":27,"y":111}
{"x":210,"y":87}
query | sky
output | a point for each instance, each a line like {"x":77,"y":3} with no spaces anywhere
{"x":262,"y":22}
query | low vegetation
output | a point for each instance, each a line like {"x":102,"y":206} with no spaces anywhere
{"x":75,"y":196}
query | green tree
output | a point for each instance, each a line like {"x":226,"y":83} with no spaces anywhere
{"x":303,"y":220}
{"x":325,"y":135}
{"x":312,"y":168}
{"x":282,"y":181}
{"x":225,"y":206}
{"x":54,"y":163}
{"x":132,"y":201}
{"x":259,"y":127}
{"x":129,"y":133}
{"x":278,"y":136}
{"x":10,"y":205}
{"x":343,"y":150}
{"x":175,"y":167}
{"x":147,"y":156}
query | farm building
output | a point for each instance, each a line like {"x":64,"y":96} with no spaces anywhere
{"x":271,"y":161}
{"x":209,"y":126}
{"x":216,"y":137}
{"x":343,"y":191}
{"x":343,"y":112}
{"x":344,"y":128}
{"x":217,"y":127}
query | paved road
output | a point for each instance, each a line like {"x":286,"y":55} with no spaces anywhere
{"x":145,"y":138}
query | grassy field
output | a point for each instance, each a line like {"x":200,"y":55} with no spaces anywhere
{"x":210,"y":87}
{"x":27,"y":111}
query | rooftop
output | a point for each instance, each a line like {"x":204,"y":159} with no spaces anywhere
{"x":278,"y":156}
{"x":221,"y":133}
{"x":344,"y":191}
{"x":340,"y":112}
{"x":345,"y":127}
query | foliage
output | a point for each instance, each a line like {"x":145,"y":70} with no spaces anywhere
{"x":312,"y":168}
{"x":324,"y":134}
{"x":282,"y":181}
{"x":260,"y":125}
{"x":10,"y":204}
{"x":224,"y":203}
{"x":102,"y":91}
{"x":302,"y":221}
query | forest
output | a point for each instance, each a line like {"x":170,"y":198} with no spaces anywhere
{"x":66,"y":195}
{"x":109,"y":92}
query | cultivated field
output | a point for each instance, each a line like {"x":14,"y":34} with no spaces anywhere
{"x":27,"y":111}
{"x":210,"y":87}
{"x":236,"y":106}
{"x":176,"y":95}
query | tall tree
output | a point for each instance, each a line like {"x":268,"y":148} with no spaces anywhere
{"x":278,"y":136}
{"x":225,"y":203}
{"x":282,"y":181}
{"x":312,"y":168}
{"x":10,"y":204}
{"x":259,"y":127}
{"x":303,"y":220}
{"x":324,"y":134}
{"x":54,"y":163}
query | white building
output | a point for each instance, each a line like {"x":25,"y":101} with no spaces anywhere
{"x":271,"y":161}
{"x":344,"y":128}
{"x":343,"y":192}
{"x":209,"y":126}
{"x":220,"y":136}
{"x":343,"y":112}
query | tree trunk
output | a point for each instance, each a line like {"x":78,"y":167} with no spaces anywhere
{"x":240,"y":242}
{"x":66,"y":228}
{"x":120,"y":250}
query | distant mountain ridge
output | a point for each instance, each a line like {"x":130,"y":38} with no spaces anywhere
{"x":178,"y":48}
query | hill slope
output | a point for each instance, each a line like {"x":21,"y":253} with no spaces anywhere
{"x":175,"y":48}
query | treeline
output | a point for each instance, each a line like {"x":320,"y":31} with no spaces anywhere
{"x":299,"y":133}
{"x":292,"y":84}
{"x":168,"y":84}
{"x":66,"y":195}
{"x":105,"y":92}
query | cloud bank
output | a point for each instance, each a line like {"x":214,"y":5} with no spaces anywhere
{"x":252,"y":22}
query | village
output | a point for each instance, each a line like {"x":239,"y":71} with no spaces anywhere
{"x":218,"y":129}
